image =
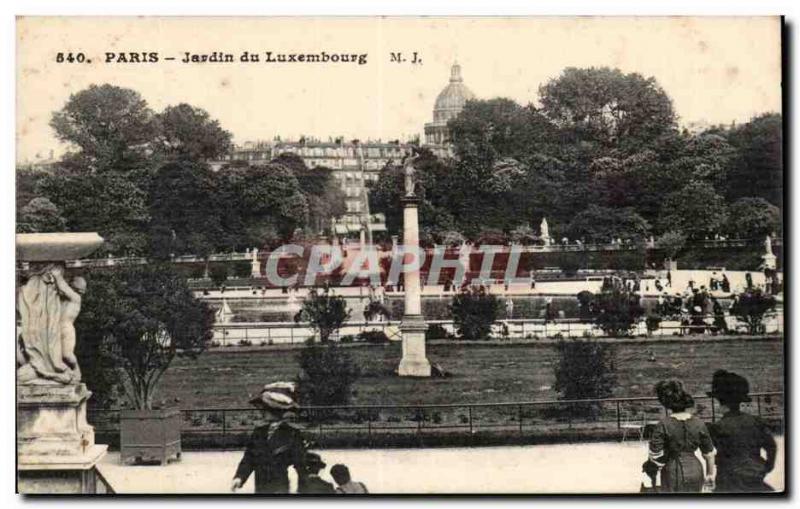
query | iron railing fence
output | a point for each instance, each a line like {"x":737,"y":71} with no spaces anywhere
{"x":526,"y":418}
{"x":269,"y":333}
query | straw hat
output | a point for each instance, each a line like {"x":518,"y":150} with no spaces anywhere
{"x":277,"y":396}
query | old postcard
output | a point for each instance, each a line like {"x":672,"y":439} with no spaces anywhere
{"x":400,"y":255}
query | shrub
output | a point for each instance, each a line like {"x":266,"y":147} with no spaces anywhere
{"x":474,"y":311}
{"x":347,"y":339}
{"x":585,"y":370}
{"x":436,"y":331}
{"x":245,"y":342}
{"x":751,"y":307}
{"x":218,"y":274}
{"x":373,"y":336}
{"x":375,"y":309}
{"x":241,"y":269}
{"x":617,"y":311}
{"x":328,"y":372}
{"x":326,"y":313}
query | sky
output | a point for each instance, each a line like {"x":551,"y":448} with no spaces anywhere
{"x":716,"y":69}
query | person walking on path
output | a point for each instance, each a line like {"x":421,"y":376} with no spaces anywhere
{"x":739,"y":438}
{"x":275,"y":446}
{"x":675,"y":440}
{"x":345,"y":485}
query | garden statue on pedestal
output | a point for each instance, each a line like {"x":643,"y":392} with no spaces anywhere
{"x":409,"y":173}
{"x":48,"y":306}
{"x":55,"y":444}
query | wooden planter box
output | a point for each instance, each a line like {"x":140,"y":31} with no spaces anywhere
{"x":150,"y":435}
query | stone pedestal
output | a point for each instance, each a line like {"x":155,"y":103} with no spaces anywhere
{"x":414,"y":361}
{"x":413,"y":326}
{"x":56,"y":452}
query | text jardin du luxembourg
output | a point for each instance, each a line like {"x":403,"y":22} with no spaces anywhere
{"x":219,"y":57}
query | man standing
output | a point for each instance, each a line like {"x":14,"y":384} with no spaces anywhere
{"x":274,"y":446}
{"x":739,"y":439}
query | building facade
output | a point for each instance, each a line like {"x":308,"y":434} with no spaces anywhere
{"x":356,"y":164}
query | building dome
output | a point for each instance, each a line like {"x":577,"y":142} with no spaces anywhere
{"x":452,"y":99}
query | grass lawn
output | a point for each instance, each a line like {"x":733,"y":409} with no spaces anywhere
{"x":481,"y":373}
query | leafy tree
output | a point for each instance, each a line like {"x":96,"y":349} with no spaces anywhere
{"x":607,"y":107}
{"x":112,"y":204}
{"x":112,"y":126}
{"x":27,"y":184}
{"x":185,"y":210}
{"x":751,"y":218}
{"x":489,"y":130}
{"x":474,"y":311}
{"x":263,"y":201}
{"x":617,"y":311}
{"x":705,"y":157}
{"x":328,"y":373}
{"x":585,"y":370}
{"x":671,"y":243}
{"x":40,"y":215}
{"x":140,"y":318}
{"x":757,"y":168}
{"x":696,"y":211}
{"x":603,"y":224}
{"x":325,"y":312}
{"x":751,"y":307}
{"x":189,"y":133}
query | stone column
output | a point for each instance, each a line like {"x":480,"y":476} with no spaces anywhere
{"x":56,"y":452}
{"x":413,"y":326}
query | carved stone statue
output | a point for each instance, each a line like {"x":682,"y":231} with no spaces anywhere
{"x":48,"y":306}
{"x":409,"y":172}
{"x":544,"y":230}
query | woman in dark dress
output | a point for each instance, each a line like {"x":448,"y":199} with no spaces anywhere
{"x":675,"y":440}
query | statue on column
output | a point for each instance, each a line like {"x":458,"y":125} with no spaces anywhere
{"x":409,"y":172}
{"x":48,"y":307}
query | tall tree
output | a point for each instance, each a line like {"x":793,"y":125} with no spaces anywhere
{"x":185,"y":210}
{"x":189,"y":133}
{"x":497,"y":128}
{"x":757,"y":170}
{"x":753,"y":218}
{"x":110,"y":203}
{"x":112,"y":126}
{"x":607,"y":107}
{"x":696,"y":211}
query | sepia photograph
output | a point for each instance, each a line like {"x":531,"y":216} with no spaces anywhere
{"x":400,"y":255}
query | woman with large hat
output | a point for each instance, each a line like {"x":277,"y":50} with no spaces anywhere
{"x":675,"y":440}
{"x":274,"y":446}
{"x":739,"y":438}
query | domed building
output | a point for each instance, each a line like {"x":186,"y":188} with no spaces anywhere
{"x":449,"y":104}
